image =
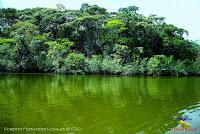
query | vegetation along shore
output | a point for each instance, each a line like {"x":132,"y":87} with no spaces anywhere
{"x":94,"y":41}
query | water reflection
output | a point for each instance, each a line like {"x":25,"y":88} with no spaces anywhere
{"x":98,"y":104}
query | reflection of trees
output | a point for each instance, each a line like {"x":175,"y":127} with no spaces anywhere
{"x":96,"y":103}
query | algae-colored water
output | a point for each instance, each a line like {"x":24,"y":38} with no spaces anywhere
{"x":97,"y":104}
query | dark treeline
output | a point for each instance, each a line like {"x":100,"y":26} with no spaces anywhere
{"x":94,"y":41}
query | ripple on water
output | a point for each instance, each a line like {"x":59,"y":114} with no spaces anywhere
{"x":192,"y":115}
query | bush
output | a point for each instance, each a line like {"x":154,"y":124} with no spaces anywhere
{"x":93,"y":64}
{"x":143,"y":66}
{"x":57,"y":52}
{"x":187,"y":67}
{"x":111,"y":66}
{"x":197,"y":66}
{"x":6,"y":63}
{"x":192,"y":67}
{"x":73,"y":64}
{"x":131,"y":68}
{"x":179,"y":68}
{"x":160,"y":65}
{"x":122,"y":52}
{"x":138,"y":67}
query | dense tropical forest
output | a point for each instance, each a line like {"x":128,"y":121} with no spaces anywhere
{"x":94,"y":41}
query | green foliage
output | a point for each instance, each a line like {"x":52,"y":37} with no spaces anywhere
{"x":196,"y":67}
{"x":137,"y":67}
{"x":92,"y":10}
{"x":94,"y":41}
{"x":111,"y":66}
{"x":113,"y":35}
{"x":5,"y":51}
{"x":122,"y":53}
{"x":57,"y":52}
{"x":180,"y":49}
{"x":160,"y":65}
{"x":88,"y":34}
{"x":4,"y":41}
{"x":115,"y":24}
{"x":7,"y":18}
{"x":129,"y":9}
{"x":24,"y":29}
{"x":93,"y":64}
{"x":74,"y":63}
{"x":180,"y":68}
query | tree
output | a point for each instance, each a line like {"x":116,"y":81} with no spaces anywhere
{"x":89,"y":30}
{"x":129,"y":9}
{"x":5,"y":52}
{"x":94,"y":41}
{"x":57,"y":52}
{"x":93,"y":10}
{"x":7,"y":18}
{"x":61,"y":7}
{"x":74,"y":63}
{"x":113,"y":34}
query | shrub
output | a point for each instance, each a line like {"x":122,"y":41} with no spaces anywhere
{"x":122,"y":53}
{"x":73,"y":64}
{"x":93,"y":64}
{"x":111,"y":66}
{"x":179,"y":68}
{"x":197,"y":66}
{"x":138,"y":67}
{"x":131,"y":68}
{"x":160,"y":65}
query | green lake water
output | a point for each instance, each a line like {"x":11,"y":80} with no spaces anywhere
{"x":97,"y":104}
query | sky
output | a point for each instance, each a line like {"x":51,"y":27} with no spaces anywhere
{"x":182,"y":13}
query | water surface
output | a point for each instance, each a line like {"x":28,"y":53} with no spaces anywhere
{"x":98,"y":104}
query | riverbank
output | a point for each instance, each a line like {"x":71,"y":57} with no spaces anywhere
{"x":114,"y":75}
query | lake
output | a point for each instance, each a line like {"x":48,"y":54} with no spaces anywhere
{"x":42,"y":103}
